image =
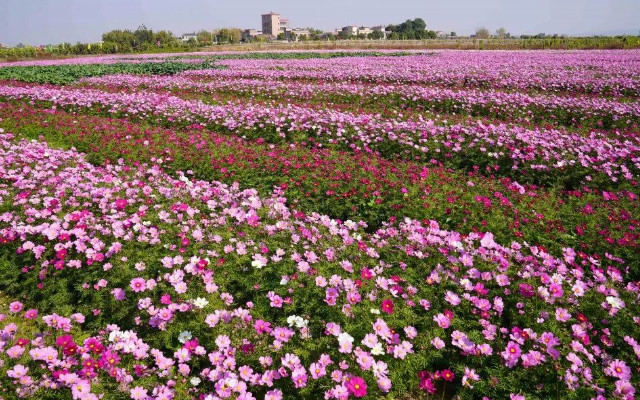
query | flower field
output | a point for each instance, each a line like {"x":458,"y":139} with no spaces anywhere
{"x":442,"y":225}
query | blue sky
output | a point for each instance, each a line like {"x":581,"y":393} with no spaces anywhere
{"x":54,"y":21}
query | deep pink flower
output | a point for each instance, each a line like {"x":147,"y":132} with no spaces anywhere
{"x":387,"y":306}
{"x":556,"y":290}
{"x":447,"y":375}
{"x":120,"y":204}
{"x":357,"y":386}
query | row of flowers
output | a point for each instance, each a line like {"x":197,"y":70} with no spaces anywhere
{"x":356,"y":185}
{"x":560,"y":109}
{"x":242,"y":296}
{"x":601,"y":72}
{"x":535,"y":154}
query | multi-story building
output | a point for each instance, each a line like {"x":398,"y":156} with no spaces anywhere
{"x":249,"y":34}
{"x":284,"y":24}
{"x":363,"y":30}
{"x":272,"y":24}
{"x":351,"y":30}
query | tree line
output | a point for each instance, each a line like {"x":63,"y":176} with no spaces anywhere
{"x":144,"y":39}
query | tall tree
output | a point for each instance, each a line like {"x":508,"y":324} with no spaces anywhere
{"x":144,"y":36}
{"x":483,"y":33}
{"x":205,"y":38}
{"x":228,"y":35}
{"x":165,"y":39}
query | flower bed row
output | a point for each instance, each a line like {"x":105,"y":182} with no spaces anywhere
{"x":356,"y":185}
{"x":209,"y":291}
{"x":534,"y":155}
{"x":514,"y":106}
{"x":602,"y":73}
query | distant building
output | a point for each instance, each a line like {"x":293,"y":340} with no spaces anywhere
{"x":383,"y":30}
{"x":284,"y":24}
{"x":296,"y":34}
{"x":249,"y":34}
{"x":354,"y":30}
{"x":363,"y":30}
{"x":272,"y":24}
{"x":188,"y":36}
{"x":350,"y":30}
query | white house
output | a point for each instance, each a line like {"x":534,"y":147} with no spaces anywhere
{"x":188,"y":36}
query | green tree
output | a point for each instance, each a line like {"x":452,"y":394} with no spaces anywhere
{"x":419,"y":24}
{"x":143,"y":37}
{"x":482,"y":33}
{"x":124,"y":40}
{"x":410,"y":29}
{"x":228,"y":35}
{"x":376,"y":35}
{"x":501,"y":33}
{"x":205,"y":38}
{"x":165,"y":39}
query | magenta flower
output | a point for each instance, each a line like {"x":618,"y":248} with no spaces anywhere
{"x":447,"y":375}
{"x":120,"y":204}
{"x":387,"y":306}
{"x":357,"y":386}
{"x":556,"y":290}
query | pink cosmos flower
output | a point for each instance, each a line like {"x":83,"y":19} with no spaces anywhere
{"x":556,"y":290}
{"x":15,"y":307}
{"x":120,"y":204}
{"x":273,"y":395}
{"x":619,"y":369}
{"x":625,"y":389}
{"x":138,"y":285}
{"x":442,"y":321}
{"x":447,"y":375}
{"x":18,"y":371}
{"x":357,"y":386}
{"x":387,"y":306}
{"x":118,"y":294}
{"x":138,"y":393}
{"x":562,"y":315}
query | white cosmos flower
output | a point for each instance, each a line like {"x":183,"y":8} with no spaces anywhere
{"x":377,"y":349}
{"x":345,"y":337}
{"x":201,"y":302}
{"x":615,"y":302}
{"x":184,"y":336}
